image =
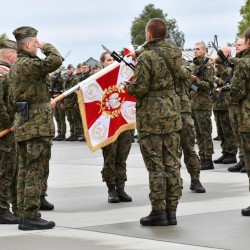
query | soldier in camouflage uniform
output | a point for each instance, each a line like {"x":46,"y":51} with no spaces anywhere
{"x":8,"y":157}
{"x":240,"y":93}
{"x":220,"y":107}
{"x":187,"y":135}
{"x":57,"y":87}
{"x":34,"y":126}
{"x":115,"y":155}
{"x":69,"y":104}
{"x":158,"y":122}
{"x":201,"y":104}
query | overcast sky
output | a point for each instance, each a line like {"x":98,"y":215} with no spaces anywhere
{"x":83,"y":25}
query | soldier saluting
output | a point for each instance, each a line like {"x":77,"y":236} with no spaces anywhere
{"x":34,"y":130}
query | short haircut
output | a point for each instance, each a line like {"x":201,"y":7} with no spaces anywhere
{"x":157,"y":28}
{"x":203,"y":45}
{"x":21,"y":43}
{"x":103,"y":55}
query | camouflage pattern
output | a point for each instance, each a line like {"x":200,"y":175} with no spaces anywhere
{"x":7,"y":44}
{"x":240,"y":93}
{"x":24,"y":32}
{"x":31,"y":174}
{"x":221,"y":114}
{"x":158,"y":121}
{"x":69,"y":104}
{"x":115,"y":156}
{"x":187,"y":136}
{"x":201,"y":103}
{"x":234,"y":111}
{"x":28,"y":78}
{"x":57,"y":85}
{"x":8,"y":154}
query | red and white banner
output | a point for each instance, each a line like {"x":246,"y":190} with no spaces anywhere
{"x":106,"y":108}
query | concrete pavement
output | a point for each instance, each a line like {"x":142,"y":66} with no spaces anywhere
{"x":85,"y":220}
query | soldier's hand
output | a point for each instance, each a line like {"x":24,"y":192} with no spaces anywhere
{"x":12,"y":129}
{"x":52,"y":103}
{"x":132,"y":54}
{"x":40,"y":44}
{"x":193,"y":78}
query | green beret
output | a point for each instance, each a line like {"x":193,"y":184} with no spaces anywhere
{"x":84,"y":64}
{"x":7,"y":44}
{"x":23,"y":32}
{"x":70,"y":66}
{"x":79,"y":65}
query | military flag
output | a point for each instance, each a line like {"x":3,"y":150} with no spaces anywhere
{"x":106,"y":108}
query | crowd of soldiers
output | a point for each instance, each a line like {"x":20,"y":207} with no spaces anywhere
{"x":175,"y":100}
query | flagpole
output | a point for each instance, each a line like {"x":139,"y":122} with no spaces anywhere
{"x":76,"y":87}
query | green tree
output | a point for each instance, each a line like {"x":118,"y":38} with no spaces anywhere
{"x":245,"y":22}
{"x":3,"y":36}
{"x":137,"y":29}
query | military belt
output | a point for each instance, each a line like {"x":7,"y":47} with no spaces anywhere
{"x":45,"y":105}
{"x":160,"y":93}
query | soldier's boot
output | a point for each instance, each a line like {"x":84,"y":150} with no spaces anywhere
{"x":73,"y":138}
{"x":245,"y":211}
{"x":8,"y":218}
{"x":171,"y":215}
{"x":61,"y":138}
{"x":35,"y":224}
{"x":230,"y":158}
{"x":207,"y":164}
{"x":237,"y":167}
{"x":45,"y":205}
{"x":220,"y":159}
{"x":155,"y":218}
{"x":112,"y":194}
{"x":55,"y":138}
{"x":123,"y":196}
{"x":68,"y":138}
{"x":243,"y":170}
{"x":197,"y":187}
{"x":217,"y":138}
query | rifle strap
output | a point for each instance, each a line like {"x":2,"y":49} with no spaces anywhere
{"x":159,"y":52}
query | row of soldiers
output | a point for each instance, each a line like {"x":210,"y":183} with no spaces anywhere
{"x":69,"y":106}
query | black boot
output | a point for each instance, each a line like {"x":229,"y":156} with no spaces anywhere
{"x":155,"y":218}
{"x":207,"y":164}
{"x":123,"y":196}
{"x":245,"y":211}
{"x":237,"y":167}
{"x":35,"y":224}
{"x":171,"y":215}
{"x":230,"y":158}
{"x":55,"y":138}
{"x":68,"y":138}
{"x":217,"y":138}
{"x":45,"y":205}
{"x":8,"y":218}
{"x":220,"y":159}
{"x":61,"y":138}
{"x":243,"y":170}
{"x":73,"y":138}
{"x":112,"y":197}
{"x":197,"y":187}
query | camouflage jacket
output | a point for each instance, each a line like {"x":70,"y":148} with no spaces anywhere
{"x":28,"y":78}
{"x":240,"y":90}
{"x":70,"y":81}
{"x":219,"y":101}
{"x":202,"y":100}
{"x":7,"y":111}
{"x":157,"y":105}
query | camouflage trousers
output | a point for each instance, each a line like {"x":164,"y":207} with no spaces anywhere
{"x":59,"y":115}
{"x":71,"y":114}
{"x":245,"y":142}
{"x":234,"y":117}
{"x":115,"y":156}
{"x":225,"y":131}
{"x":161,"y":155}
{"x":187,"y":138}
{"x":34,"y":155}
{"x":8,"y":179}
{"x":203,"y":130}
